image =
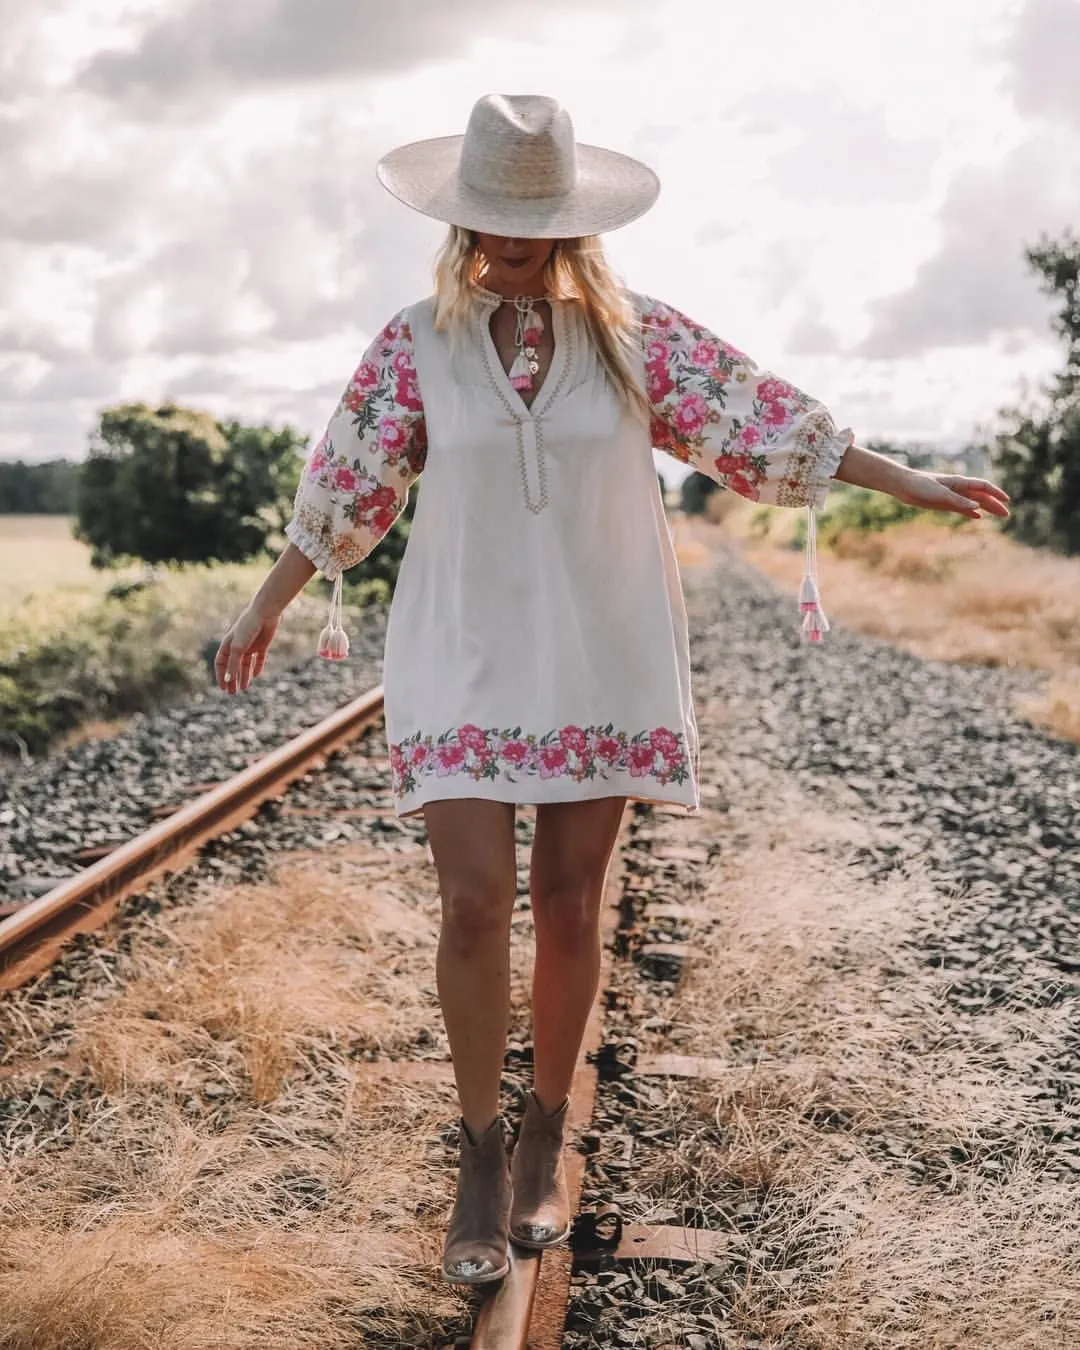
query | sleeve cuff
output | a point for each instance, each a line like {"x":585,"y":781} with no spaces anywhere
{"x":312,"y":549}
{"x":826,"y":467}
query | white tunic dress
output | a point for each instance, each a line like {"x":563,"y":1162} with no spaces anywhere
{"x":537,"y":647}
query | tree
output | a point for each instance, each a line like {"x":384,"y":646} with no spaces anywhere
{"x":694,"y":491}
{"x":1037,"y":453}
{"x":171,"y":484}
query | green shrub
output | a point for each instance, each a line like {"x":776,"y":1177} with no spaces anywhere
{"x":864,"y":512}
{"x":67,"y":658}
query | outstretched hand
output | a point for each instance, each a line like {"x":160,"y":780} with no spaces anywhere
{"x":243,"y":649}
{"x":951,"y":492}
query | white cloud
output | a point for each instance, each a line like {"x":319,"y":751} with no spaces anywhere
{"x":190,"y":206}
{"x":1046,"y":60}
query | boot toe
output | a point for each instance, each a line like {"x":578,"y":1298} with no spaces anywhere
{"x":538,"y":1234}
{"x":470,"y":1271}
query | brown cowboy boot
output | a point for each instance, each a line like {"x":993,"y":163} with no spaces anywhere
{"x":476,"y":1250}
{"x":540,"y":1214}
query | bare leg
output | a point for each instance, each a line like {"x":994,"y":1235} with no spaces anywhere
{"x":570,"y":858}
{"x":472,"y":842}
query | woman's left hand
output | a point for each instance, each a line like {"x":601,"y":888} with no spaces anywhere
{"x":951,"y":492}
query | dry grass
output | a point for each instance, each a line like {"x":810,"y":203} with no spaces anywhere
{"x":230,"y":1175}
{"x":963,"y":594}
{"x":892,"y":1147}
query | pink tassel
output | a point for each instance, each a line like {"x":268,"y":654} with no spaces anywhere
{"x":809,"y":599}
{"x":333,"y":640}
{"x":814,"y":624}
{"x":333,"y":644}
{"x":520,"y":374}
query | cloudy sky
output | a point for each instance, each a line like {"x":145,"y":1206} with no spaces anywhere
{"x":190,"y":209}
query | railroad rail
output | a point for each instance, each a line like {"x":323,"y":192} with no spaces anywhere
{"x":31,"y":939}
{"x":528,"y":1309}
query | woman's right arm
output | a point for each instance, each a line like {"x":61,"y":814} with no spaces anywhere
{"x":354,"y":485}
{"x":243,"y":649}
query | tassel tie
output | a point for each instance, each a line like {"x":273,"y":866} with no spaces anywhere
{"x":814,"y":624}
{"x":333,"y":640}
{"x":530,"y":327}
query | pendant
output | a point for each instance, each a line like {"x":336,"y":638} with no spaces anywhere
{"x":530,"y":329}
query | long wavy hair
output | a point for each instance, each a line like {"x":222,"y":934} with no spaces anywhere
{"x":578,"y":270}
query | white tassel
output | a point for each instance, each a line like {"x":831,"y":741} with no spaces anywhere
{"x":333,"y":640}
{"x":814,"y":623}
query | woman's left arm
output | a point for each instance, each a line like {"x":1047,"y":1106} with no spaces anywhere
{"x":916,"y":487}
{"x":714,"y":408}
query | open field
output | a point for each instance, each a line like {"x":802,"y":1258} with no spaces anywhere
{"x":38,"y":553}
{"x":82,"y":649}
{"x":968,"y":594}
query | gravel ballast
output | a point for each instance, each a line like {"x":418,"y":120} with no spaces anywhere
{"x":929,"y":756}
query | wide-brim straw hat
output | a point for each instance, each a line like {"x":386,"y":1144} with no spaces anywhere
{"x":519,"y":172}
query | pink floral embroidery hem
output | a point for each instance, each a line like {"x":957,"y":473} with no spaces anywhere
{"x":578,"y":753}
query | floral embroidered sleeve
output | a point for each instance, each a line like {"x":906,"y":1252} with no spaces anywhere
{"x":716,"y":410}
{"x":357,"y":477}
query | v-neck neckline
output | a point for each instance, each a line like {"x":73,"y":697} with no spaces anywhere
{"x":552,"y":380}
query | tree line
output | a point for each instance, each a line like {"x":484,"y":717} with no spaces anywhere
{"x":46,"y":489}
{"x":172,"y":484}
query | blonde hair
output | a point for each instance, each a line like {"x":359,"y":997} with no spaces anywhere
{"x":578,"y":270}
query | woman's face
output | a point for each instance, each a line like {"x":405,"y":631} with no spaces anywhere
{"x":514,"y":263}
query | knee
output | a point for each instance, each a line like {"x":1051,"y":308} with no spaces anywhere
{"x":566,"y":912}
{"x":475,"y":914}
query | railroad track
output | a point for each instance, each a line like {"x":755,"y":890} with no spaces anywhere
{"x":529,"y":1307}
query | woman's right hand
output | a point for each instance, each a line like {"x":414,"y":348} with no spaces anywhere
{"x":243,"y":649}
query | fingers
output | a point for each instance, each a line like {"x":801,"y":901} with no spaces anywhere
{"x":221,"y":661}
{"x":988,"y":495}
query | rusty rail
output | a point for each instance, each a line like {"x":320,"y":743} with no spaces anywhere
{"x":31,"y":938}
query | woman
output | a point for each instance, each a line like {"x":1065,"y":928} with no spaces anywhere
{"x":537,"y":649}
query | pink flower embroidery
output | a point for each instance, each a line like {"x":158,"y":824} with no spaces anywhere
{"x":659,"y":382}
{"x":738,"y":483}
{"x":731,"y":463}
{"x":772,"y":390}
{"x":346,"y":480}
{"x":472,"y":737}
{"x":449,"y":759}
{"x":776,"y":415}
{"x":407,"y":393}
{"x":366,"y":376}
{"x":690,"y":414}
{"x":574,"y":739}
{"x":657,"y":353}
{"x":749,"y":436}
{"x":666,"y":742}
{"x":641,"y":760}
{"x":552,"y":759}
{"x":319,"y":459}
{"x":705,"y":353}
{"x":607,"y":749}
{"x":515,"y":753}
{"x":572,"y":751}
{"x":391,"y":434}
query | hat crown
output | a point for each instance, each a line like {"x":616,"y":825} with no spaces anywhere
{"x":519,"y":146}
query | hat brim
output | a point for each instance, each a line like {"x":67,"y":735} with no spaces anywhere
{"x":611,"y":190}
